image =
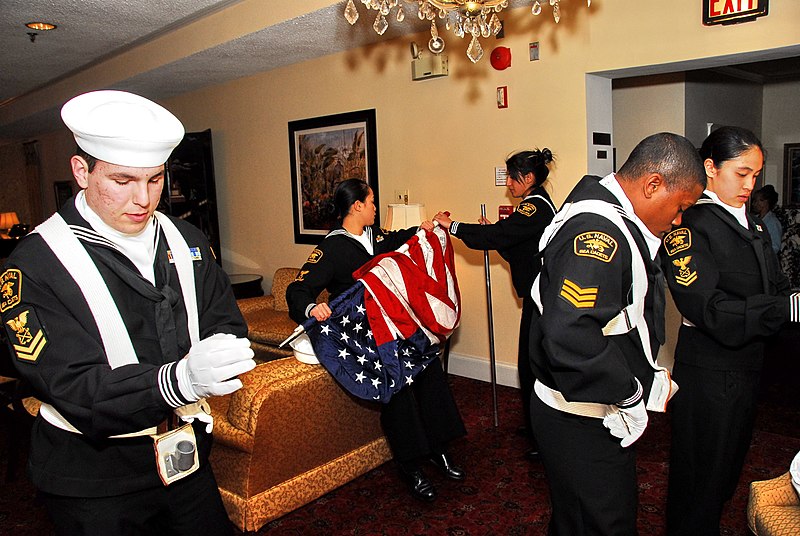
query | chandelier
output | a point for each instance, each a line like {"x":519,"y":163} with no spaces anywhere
{"x":475,"y":18}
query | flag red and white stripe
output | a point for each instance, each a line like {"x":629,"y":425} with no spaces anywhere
{"x":414,"y":287}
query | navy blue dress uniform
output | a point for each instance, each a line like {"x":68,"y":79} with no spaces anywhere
{"x":68,"y":368}
{"x":122,"y":322}
{"x":586,"y":281}
{"x":728,"y":286}
{"x":421,"y":419}
{"x":516,"y":239}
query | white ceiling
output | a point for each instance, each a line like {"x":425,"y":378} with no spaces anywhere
{"x":92,"y":31}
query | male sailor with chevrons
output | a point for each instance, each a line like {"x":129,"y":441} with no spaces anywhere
{"x":600,"y":305}
{"x":122,"y":323}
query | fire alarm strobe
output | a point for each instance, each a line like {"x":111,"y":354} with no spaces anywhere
{"x":501,"y":58}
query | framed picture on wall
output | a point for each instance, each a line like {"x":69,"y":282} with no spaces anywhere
{"x":63,"y":190}
{"x":791,"y":174}
{"x":323,"y":152}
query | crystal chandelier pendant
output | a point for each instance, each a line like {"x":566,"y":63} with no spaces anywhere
{"x":401,"y":14}
{"x":537,"y":7}
{"x":350,"y":12}
{"x":556,"y":12}
{"x":475,"y":50}
{"x":380,"y":24}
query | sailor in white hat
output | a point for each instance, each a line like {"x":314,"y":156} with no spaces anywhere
{"x":123,"y":323}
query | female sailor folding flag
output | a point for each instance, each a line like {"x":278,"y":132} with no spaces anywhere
{"x":389,"y":326}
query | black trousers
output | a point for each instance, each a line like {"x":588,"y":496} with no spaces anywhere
{"x":526,"y":377}
{"x":592,"y":479}
{"x":422,"y":418}
{"x":188,"y":507}
{"x":712,"y":425}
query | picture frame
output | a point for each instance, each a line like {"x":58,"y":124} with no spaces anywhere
{"x":324,"y":151}
{"x":791,"y":175}
{"x":63,"y":191}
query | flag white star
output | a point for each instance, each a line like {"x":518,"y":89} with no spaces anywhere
{"x":409,"y":380}
{"x":360,"y":309}
{"x":406,"y":352}
{"x":358,"y":345}
{"x":362,"y":359}
{"x":326,"y":329}
{"x":345,"y":320}
{"x":408,"y":365}
{"x":392,"y":384}
{"x":376,"y":382}
{"x":343,"y":353}
{"x":360,"y":377}
{"x":358,"y":327}
{"x":370,"y":350}
{"x":378,"y":365}
{"x":369,"y":333}
{"x":344,"y":337}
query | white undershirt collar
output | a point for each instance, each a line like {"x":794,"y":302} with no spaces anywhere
{"x":739,"y":213}
{"x":612,"y":185}
{"x":139,"y":248}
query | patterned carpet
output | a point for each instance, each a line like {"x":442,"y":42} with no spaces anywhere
{"x":503,"y":493}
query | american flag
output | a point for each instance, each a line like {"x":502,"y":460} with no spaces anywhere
{"x":389,"y":326}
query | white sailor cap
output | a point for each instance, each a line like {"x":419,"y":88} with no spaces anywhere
{"x":122,"y":128}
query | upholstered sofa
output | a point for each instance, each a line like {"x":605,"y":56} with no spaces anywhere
{"x":289,"y":436}
{"x":773,"y":508}
{"x":268,"y":319}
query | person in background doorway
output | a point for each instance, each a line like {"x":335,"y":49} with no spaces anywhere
{"x":516,"y":238}
{"x":762,"y":204}
{"x":727,"y":285}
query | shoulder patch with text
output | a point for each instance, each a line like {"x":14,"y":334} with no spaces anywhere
{"x":685,"y":276}
{"x":677,"y":241}
{"x":526,"y":209}
{"x":580,"y":297}
{"x":10,"y":289}
{"x":596,"y":245}
{"x":26,"y":335}
{"x":315,"y":256}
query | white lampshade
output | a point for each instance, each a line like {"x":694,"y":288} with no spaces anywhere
{"x":402,"y":216}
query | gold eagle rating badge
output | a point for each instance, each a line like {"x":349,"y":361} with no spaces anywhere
{"x":685,"y":276}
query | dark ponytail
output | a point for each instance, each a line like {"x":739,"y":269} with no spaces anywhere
{"x":524,"y":162}
{"x":347,"y":193}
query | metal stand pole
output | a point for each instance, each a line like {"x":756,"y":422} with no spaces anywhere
{"x":492,"y":361}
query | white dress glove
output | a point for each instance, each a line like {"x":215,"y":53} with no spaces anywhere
{"x":627,"y":424}
{"x":199,"y":410}
{"x":211,"y":367}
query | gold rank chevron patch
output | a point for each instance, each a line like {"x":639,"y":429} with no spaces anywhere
{"x":685,"y":276}
{"x":582,"y":298}
{"x":27,"y":335}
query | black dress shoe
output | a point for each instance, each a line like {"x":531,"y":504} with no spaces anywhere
{"x":421,"y":487}
{"x":446,"y":466}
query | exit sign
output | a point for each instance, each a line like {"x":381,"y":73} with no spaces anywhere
{"x":733,"y":11}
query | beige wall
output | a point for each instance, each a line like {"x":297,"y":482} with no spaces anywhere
{"x":781,"y":125}
{"x":442,"y":138}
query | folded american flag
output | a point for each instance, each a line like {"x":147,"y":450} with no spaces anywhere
{"x":388,"y":326}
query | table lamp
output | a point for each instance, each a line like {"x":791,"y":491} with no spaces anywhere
{"x":403,"y":216}
{"x":7,"y":221}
